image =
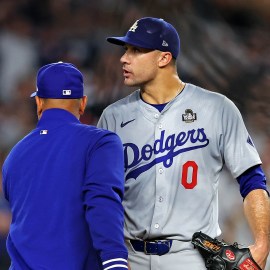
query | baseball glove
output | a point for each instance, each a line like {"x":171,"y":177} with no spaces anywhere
{"x":219,"y":255}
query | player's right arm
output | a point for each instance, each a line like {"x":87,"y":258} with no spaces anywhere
{"x":102,"y":122}
{"x":107,"y":119}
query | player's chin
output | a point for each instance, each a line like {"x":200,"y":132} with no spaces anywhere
{"x":129,"y":82}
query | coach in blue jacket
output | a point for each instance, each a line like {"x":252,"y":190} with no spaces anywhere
{"x":65,"y":182}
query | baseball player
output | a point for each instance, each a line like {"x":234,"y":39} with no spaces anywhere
{"x":65,"y":182}
{"x":177,"y":137}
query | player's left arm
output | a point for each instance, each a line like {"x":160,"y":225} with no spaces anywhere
{"x":239,"y":154}
{"x":257,"y":212}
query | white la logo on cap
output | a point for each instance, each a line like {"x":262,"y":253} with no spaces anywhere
{"x":134,"y":27}
{"x":66,"y":92}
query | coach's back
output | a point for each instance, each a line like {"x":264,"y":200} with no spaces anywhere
{"x":64,"y":183}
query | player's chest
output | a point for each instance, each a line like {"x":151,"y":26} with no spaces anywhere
{"x":174,"y":127}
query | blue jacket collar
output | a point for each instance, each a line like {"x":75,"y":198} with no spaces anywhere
{"x":56,"y":117}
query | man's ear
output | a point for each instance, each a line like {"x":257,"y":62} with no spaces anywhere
{"x":164,"y":59}
{"x":40,"y":106}
{"x":83,"y":104}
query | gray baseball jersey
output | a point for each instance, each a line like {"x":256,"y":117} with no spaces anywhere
{"x":173,"y":160}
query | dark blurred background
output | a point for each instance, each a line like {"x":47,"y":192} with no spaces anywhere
{"x":225,"y":47}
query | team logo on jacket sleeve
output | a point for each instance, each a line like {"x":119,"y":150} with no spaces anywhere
{"x":189,"y":116}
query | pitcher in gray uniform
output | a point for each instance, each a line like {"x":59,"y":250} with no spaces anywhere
{"x":176,"y":139}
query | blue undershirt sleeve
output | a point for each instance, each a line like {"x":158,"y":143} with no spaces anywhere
{"x":253,"y":178}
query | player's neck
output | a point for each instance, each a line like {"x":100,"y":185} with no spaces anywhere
{"x":162,"y":93}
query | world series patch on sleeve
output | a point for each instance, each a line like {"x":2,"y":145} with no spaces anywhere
{"x":219,"y":255}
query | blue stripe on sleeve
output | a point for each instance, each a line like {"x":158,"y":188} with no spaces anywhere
{"x":253,"y":178}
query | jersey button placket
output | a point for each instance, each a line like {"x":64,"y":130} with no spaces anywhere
{"x":160,"y":182}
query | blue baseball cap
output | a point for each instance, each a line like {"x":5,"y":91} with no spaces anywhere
{"x":151,"y":33}
{"x":59,"y":81}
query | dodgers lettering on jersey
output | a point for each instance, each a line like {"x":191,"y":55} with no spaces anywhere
{"x":172,"y":146}
{"x":173,"y":160}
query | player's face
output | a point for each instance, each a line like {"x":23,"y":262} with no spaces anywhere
{"x":140,"y":66}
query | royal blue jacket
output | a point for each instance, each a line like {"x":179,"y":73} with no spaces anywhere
{"x":64,"y":182}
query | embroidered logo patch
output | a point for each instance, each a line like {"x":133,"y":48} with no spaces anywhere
{"x":134,"y":27}
{"x":189,"y":116}
{"x":43,"y":132}
{"x":66,"y":92}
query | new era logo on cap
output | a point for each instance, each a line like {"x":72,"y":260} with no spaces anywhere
{"x":164,"y":43}
{"x":151,"y":33}
{"x":59,"y":81}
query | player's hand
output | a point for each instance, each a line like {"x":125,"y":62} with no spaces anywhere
{"x":129,"y":268}
{"x":259,"y":254}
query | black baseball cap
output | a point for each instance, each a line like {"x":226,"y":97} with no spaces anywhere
{"x":151,"y":33}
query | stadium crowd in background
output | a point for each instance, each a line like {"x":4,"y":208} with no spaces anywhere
{"x":225,"y":47}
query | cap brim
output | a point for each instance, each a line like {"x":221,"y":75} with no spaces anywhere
{"x":126,"y":40}
{"x":117,"y":40}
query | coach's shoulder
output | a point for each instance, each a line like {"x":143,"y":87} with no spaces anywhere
{"x":97,"y":132}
